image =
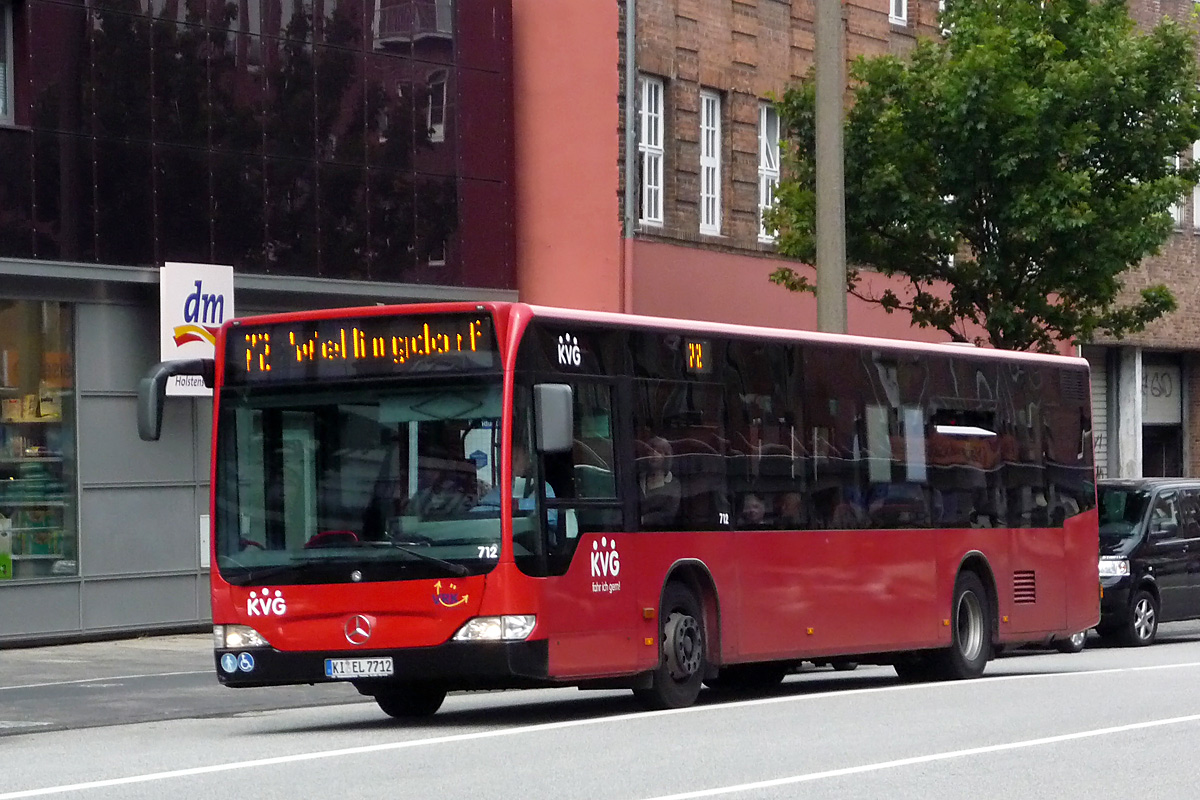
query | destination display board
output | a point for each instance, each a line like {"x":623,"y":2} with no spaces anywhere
{"x":359,"y":347}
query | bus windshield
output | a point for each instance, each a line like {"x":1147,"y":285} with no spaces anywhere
{"x":360,"y":484}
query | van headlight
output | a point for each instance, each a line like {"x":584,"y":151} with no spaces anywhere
{"x":509,"y":628}
{"x":1114,"y":567}
{"x":237,"y":637}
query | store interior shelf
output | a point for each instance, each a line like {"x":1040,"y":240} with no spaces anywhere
{"x":36,"y":556}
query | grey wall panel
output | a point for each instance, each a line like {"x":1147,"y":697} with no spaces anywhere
{"x":139,"y":602}
{"x":111,"y":452}
{"x":33,"y":610}
{"x":117,"y":344}
{"x":204,"y":598}
{"x":203,"y":438}
{"x":149,"y":529}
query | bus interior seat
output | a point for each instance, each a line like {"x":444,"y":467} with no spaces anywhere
{"x":332,"y":539}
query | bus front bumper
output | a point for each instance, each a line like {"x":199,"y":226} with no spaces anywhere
{"x":454,"y":665}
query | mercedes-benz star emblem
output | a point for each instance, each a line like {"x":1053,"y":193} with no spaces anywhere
{"x":358,"y":629}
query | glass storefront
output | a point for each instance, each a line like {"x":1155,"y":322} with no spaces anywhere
{"x":348,"y":140}
{"x":38,"y":536}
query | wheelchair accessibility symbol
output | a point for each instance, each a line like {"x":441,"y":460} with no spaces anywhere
{"x":245,"y":662}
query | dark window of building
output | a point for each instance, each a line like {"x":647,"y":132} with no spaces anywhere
{"x":6,"y":61}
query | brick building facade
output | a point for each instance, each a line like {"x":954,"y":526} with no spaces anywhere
{"x":1149,"y":382}
{"x":689,"y":58}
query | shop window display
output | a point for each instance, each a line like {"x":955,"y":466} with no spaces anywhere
{"x":37,"y":442}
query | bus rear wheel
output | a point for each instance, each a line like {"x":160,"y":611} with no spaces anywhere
{"x":970,"y":627}
{"x":410,"y":701}
{"x":676,"y":682}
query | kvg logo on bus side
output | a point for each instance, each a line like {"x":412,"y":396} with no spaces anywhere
{"x":606,"y":563}
{"x":569,"y":354}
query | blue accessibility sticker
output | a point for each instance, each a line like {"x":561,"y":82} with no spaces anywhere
{"x":245,"y":662}
{"x":229,"y":662}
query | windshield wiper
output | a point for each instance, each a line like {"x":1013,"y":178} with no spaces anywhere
{"x":269,"y":571}
{"x":454,"y":569}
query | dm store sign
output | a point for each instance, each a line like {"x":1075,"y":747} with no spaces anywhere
{"x":194,"y":300}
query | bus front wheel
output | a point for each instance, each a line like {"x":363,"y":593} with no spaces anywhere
{"x":410,"y":701}
{"x":676,"y":682}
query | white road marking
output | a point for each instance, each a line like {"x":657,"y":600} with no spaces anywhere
{"x":908,"y":762}
{"x":6,"y":723}
{"x":106,"y":678}
{"x":643,"y":715}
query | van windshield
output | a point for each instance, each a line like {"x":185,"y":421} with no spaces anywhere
{"x":1121,"y":512}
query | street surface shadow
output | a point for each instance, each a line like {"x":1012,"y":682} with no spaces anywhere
{"x":566,"y":707}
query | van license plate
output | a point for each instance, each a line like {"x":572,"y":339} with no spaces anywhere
{"x":347,"y":668}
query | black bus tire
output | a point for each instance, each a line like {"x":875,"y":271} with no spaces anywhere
{"x":676,"y":682}
{"x":970,"y":631}
{"x":1072,"y":644}
{"x":914,"y":667}
{"x":410,"y":701}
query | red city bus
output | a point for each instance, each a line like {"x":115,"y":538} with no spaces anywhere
{"x":428,"y":498}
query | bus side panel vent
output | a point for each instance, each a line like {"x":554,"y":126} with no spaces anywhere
{"x":1024,"y":587}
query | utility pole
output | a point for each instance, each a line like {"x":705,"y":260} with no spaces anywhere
{"x":831,"y":178}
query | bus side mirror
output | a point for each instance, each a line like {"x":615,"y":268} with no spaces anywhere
{"x":554,"y":417}
{"x":152,"y":391}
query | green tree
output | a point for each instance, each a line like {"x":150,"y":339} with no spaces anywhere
{"x":1023,"y":162}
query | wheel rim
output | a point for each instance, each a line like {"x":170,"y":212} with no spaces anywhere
{"x":1078,"y":639}
{"x":969,"y":626}
{"x":1143,"y":619}
{"x":683,"y":646}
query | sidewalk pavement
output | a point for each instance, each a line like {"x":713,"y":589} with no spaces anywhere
{"x":116,"y":658}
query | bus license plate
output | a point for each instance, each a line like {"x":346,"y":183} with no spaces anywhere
{"x":347,"y":668}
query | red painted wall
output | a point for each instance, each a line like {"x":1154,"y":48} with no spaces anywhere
{"x":566,"y":83}
{"x":675,"y":281}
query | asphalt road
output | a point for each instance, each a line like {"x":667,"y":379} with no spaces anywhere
{"x":133,"y":680}
{"x":1108,"y":722}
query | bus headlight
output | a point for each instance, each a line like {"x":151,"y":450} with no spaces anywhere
{"x":509,"y":628}
{"x":1114,"y":567}
{"x":237,"y":637}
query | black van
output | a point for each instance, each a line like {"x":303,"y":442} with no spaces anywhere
{"x":1149,"y":556}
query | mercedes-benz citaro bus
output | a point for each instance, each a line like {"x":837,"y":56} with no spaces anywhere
{"x":428,"y":498}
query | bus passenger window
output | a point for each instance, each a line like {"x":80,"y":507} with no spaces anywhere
{"x":753,"y":511}
{"x":659,"y":490}
{"x":792,"y":513}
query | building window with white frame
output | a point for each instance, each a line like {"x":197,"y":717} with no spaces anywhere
{"x":1177,"y":207}
{"x":6,"y":63}
{"x":710,"y":163}
{"x":650,"y":150}
{"x":768,"y":166}
{"x":435,"y":119}
{"x":898,"y":11}
{"x":1196,"y":191}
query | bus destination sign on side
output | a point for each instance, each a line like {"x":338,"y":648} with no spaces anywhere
{"x":359,"y":347}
